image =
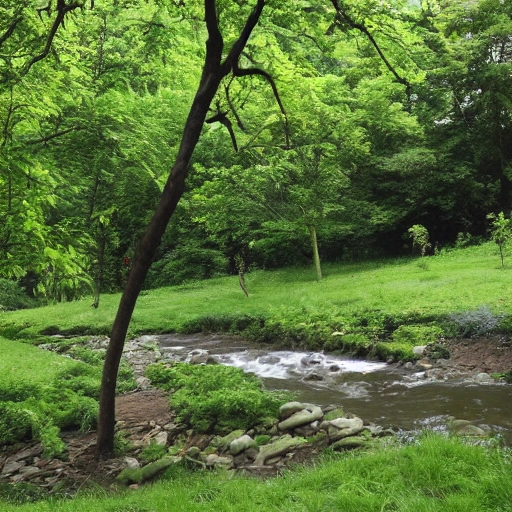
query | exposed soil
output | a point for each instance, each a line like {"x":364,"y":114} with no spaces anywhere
{"x":491,"y":354}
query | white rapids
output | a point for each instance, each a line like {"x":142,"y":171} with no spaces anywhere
{"x":285,"y":364}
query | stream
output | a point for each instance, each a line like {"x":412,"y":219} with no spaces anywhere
{"x":387,"y":395}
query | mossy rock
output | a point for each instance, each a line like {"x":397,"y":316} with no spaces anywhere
{"x":151,"y":471}
{"x":349,"y":443}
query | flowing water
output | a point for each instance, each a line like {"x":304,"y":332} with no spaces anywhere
{"x":374,"y":391}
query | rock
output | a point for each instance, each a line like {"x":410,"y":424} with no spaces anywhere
{"x":199,"y":356}
{"x":424,"y":364}
{"x":310,"y":359}
{"x":334,"y":368}
{"x":213,"y":460}
{"x":161,"y":438}
{"x":348,"y":443}
{"x":342,"y":427}
{"x":277,"y":448}
{"x":465,"y":428}
{"x":269,"y":360}
{"x":132,"y":462}
{"x":290,"y":408}
{"x":419,"y":350}
{"x":408,"y":365}
{"x":307,"y":430}
{"x":222,"y":443}
{"x":131,"y":476}
{"x":241,"y":444}
{"x":12,"y":467}
{"x":484,"y":378}
{"x":301,"y":418}
{"x":314,"y":377}
{"x":334,"y":413}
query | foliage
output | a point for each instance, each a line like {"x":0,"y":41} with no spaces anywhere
{"x":420,"y":238}
{"x":12,"y":296}
{"x":152,"y":452}
{"x":215,"y":398}
{"x":479,"y":322}
{"x":501,"y":232}
{"x":417,"y":334}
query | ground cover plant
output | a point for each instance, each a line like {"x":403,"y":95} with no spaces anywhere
{"x":42,"y":393}
{"x":434,"y":474}
{"x":215,"y":398}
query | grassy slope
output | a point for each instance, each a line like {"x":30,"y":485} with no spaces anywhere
{"x":454,"y":281}
{"x":441,"y":475}
{"x":20,"y":362}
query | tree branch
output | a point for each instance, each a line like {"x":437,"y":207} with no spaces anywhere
{"x":62,"y":10}
{"x":342,"y":16}
{"x":47,"y":138}
{"x":259,"y":72}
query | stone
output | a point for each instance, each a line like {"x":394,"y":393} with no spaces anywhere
{"x":222,"y":443}
{"x":161,"y":438}
{"x":290,"y":408}
{"x":269,"y":359}
{"x":408,"y":365}
{"x":132,"y":462}
{"x":342,"y":427}
{"x":241,"y":444}
{"x":199,"y":356}
{"x":315,"y":358}
{"x":277,"y":449}
{"x":484,"y":378}
{"x":465,"y":428}
{"x":424,"y":364}
{"x":314,"y":377}
{"x":12,"y":467}
{"x":348,"y":443}
{"x":419,"y":350}
{"x":131,"y":476}
{"x":301,"y":418}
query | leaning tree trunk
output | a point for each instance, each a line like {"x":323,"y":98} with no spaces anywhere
{"x":213,"y":72}
{"x":316,"y":256}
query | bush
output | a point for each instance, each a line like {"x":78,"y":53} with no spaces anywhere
{"x":417,"y":334}
{"x":15,"y":423}
{"x":467,"y":324}
{"x":215,"y":398}
{"x":12,"y":296}
{"x":187,"y":263}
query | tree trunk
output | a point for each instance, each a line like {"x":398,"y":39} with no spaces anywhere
{"x":316,"y":256}
{"x":213,"y":72}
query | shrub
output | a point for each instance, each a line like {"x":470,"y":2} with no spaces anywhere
{"x":478,"y":322}
{"x":15,"y":423}
{"x":12,"y":296}
{"x":417,"y":334}
{"x":187,"y":263}
{"x":215,"y":398}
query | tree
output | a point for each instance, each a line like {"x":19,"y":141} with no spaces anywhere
{"x":218,"y":64}
{"x":501,"y":232}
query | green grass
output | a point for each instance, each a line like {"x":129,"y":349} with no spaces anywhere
{"x":454,"y":281}
{"x":436,"y":475}
{"x":20,"y":362}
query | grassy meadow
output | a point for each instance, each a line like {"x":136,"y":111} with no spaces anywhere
{"x":385,"y":301}
{"x":427,"y":288}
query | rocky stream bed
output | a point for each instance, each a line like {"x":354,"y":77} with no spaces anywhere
{"x":301,"y":432}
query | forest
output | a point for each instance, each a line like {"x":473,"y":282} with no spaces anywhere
{"x":342,"y":125}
